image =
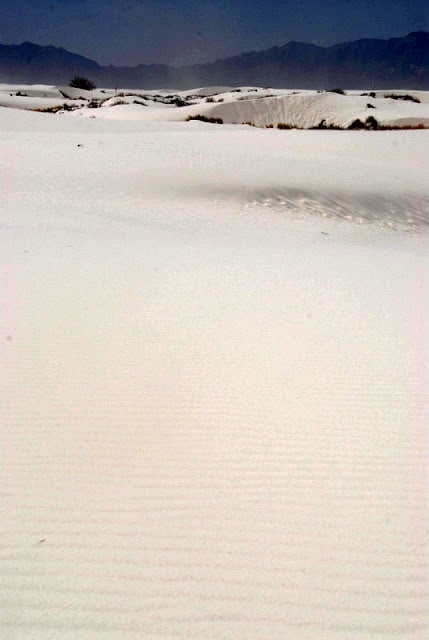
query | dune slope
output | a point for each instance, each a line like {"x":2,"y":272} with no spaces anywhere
{"x":213,"y":364}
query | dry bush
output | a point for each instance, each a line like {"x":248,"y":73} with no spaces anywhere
{"x":205,"y":119}
{"x":399,"y":96}
{"x":341,"y":92}
{"x":79,"y":82}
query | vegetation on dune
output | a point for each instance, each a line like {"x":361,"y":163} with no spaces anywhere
{"x":205,"y":119}
{"x":370,"y":123}
{"x":401,"y":96}
{"x":79,"y":82}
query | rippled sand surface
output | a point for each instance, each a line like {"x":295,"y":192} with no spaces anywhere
{"x":213,"y":410}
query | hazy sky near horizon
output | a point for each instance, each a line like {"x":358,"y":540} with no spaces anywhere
{"x":129,"y":32}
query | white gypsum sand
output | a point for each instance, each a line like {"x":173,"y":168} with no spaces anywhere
{"x":213,"y":371}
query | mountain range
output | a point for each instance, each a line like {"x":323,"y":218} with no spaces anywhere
{"x":370,"y":63}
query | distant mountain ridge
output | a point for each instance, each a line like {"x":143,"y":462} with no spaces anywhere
{"x":394,"y":63}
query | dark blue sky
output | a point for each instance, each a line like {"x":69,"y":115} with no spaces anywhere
{"x":180,"y":31}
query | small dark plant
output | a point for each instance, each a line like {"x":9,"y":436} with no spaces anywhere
{"x":371,"y":123}
{"x":322,"y":125}
{"x":356,"y":124}
{"x":340,"y":91}
{"x":94,"y":104}
{"x":400,"y":96}
{"x":179,"y":102}
{"x":79,"y":82}
{"x":205,"y":119}
{"x":56,"y":109}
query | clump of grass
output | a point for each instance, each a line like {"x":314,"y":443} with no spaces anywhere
{"x":80,"y":82}
{"x":393,"y":127}
{"x":322,"y":125}
{"x":399,"y":96}
{"x":356,"y":124}
{"x":205,"y":119}
{"x":59,"y":107}
{"x":341,"y":92}
{"x":179,"y":102}
{"x":94,"y":104}
{"x":284,"y":125}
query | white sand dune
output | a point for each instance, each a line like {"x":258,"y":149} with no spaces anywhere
{"x":213,"y":372}
{"x":242,"y":105}
{"x":306,"y":110}
{"x":303,"y":110}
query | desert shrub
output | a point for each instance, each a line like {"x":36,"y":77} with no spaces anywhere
{"x":79,"y":82}
{"x":371,"y":94}
{"x":209,"y":99}
{"x":284,"y":125}
{"x":179,"y":102}
{"x":22,"y":94}
{"x":322,"y":125}
{"x":269,"y":126}
{"x":122,"y":94}
{"x":398,"y":96}
{"x":340,"y":91}
{"x":371,"y":123}
{"x":356,"y":124}
{"x":140,"y":102}
{"x":94,"y":104}
{"x":370,"y":106}
{"x":403,"y":127}
{"x":205,"y":119}
{"x":62,"y":107}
